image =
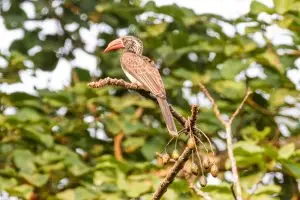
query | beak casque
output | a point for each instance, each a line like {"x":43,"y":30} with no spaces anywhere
{"x":114,"y":45}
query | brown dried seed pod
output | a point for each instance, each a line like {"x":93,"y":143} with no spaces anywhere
{"x":194,"y":169}
{"x":206,"y":162}
{"x":191,"y":143}
{"x":214,"y":170}
{"x":165,"y":158}
{"x":203,"y":181}
{"x":175,"y":154}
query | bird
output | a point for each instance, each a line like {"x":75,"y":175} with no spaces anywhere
{"x":141,"y":70}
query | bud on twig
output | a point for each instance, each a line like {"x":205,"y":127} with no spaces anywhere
{"x":165,"y":158}
{"x":214,"y":170}
{"x":203,"y":181}
{"x":191,"y":143}
{"x":175,"y":154}
{"x":194,"y":169}
{"x":206,"y":162}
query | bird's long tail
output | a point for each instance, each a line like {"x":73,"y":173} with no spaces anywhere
{"x":167,"y":115}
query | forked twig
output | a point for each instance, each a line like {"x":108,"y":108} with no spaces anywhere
{"x":227,"y":125}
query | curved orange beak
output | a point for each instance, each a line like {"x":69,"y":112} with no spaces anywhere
{"x":114,"y":45}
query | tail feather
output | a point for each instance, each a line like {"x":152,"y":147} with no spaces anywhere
{"x":167,"y":115}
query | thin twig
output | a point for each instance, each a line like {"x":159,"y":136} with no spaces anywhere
{"x":238,"y":190}
{"x":200,"y":193}
{"x":236,"y":112}
{"x":254,"y":105}
{"x":215,"y":107}
{"x":181,"y":119}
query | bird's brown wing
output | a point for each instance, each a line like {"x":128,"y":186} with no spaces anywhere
{"x":144,"y":72}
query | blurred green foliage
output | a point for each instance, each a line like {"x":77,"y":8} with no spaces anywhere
{"x":50,"y":144}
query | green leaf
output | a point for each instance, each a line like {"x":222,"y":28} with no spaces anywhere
{"x":247,"y":147}
{"x":112,"y":124}
{"x":141,"y":184}
{"x":81,"y":74}
{"x":283,"y":6}
{"x":286,"y":151}
{"x":75,"y":165}
{"x":252,"y":133}
{"x":15,"y":16}
{"x":29,"y":40}
{"x":156,"y":29}
{"x":140,"y":187}
{"x":221,"y":191}
{"x":56,"y":99}
{"x":268,"y":189}
{"x":248,"y":180}
{"x":295,"y":6}
{"x":6,"y":183}
{"x":231,"y":49}
{"x":37,"y":133}
{"x":101,"y":177}
{"x":178,"y":39}
{"x":45,"y":60}
{"x":24,"y":160}
{"x":131,"y":127}
{"x":270,"y":58}
{"x":291,"y":168}
{"x":155,"y":144}
{"x":47,"y":157}
{"x":24,"y":191}
{"x":230,"y":89}
{"x":279,"y":95}
{"x":257,"y":7}
{"x":36,"y":179}
{"x":190,"y":75}
{"x":133,"y":143}
{"x":27,"y":115}
{"x":232,"y":67}
{"x":80,"y":193}
{"x":68,"y":194}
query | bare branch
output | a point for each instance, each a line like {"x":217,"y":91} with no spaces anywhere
{"x":195,"y":109}
{"x":254,"y":105}
{"x":181,"y":119}
{"x":215,"y":107}
{"x":200,"y":193}
{"x":115,"y":82}
{"x":236,"y":112}
{"x":238,"y":190}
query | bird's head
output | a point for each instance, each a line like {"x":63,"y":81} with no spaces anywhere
{"x":128,"y":43}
